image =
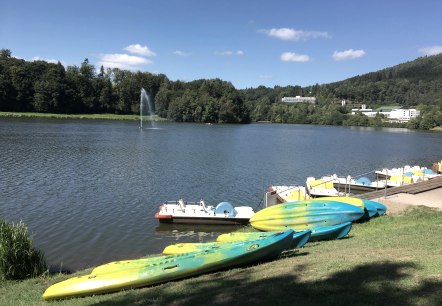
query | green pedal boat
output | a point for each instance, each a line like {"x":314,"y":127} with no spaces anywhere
{"x":302,"y":215}
{"x":299,"y":240}
{"x":337,"y":231}
{"x":149,"y":271}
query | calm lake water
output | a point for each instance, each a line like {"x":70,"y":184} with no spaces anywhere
{"x":88,"y":190}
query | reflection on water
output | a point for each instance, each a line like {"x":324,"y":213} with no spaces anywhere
{"x":193,"y":233}
{"x":89,"y":190}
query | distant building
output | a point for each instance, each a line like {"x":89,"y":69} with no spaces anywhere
{"x":403,"y":115}
{"x":364,"y":110}
{"x":299,"y":99}
{"x":392,"y":113}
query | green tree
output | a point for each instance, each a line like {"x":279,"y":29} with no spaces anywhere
{"x":103,"y":91}
{"x":87,"y":92}
{"x":5,"y":53}
{"x":7,"y":91}
{"x":50,"y":90}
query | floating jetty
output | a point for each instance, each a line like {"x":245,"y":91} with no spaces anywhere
{"x":414,"y":188}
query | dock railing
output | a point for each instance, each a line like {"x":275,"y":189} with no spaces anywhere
{"x":273,"y":197}
{"x":378,"y":182}
{"x":347,"y":186}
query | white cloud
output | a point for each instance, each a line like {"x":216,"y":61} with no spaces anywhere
{"x":229,"y":53}
{"x":292,"y":34}
{"x":347,"y":54}
{"x":181,"y":53}
{"x":123,"y":61}
{"x":293,"y":57}
{"x":140,"y":50}
{"x":433,"y":50}
{"x":224,"y":53}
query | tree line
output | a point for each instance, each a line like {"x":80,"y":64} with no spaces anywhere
{"x":39,"y":86}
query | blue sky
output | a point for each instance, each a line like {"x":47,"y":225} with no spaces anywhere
{"x":248,"y":43}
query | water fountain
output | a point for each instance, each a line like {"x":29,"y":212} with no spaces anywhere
{"x":147,"y":101}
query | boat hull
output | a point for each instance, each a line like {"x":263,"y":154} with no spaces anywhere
{"x":369,"y":207}
{"x":370,"y":211}
{"x":348,"y":200}
{"x":299,"y":240}
{"x":183,"y":212}
{"x":167,"y":268}
{"x":320,"y":233}
{"x":304,"y":215}
{"x":201,"y":220}
{"x":381,"y":209}
{"x":338,"y":231}
{"x":355,"y":188}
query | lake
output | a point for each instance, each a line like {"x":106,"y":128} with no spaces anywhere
{"x":88,"y":190}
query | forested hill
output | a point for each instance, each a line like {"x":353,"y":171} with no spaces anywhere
{"x":415,"y":84}
{"x":408,"y":84}
{"x":39,"y":86}
{"x":424,"y":68}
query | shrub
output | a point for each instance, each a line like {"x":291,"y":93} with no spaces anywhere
{"x":18,"y":258}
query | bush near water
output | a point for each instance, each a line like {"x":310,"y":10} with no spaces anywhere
{"x":18,"y":258}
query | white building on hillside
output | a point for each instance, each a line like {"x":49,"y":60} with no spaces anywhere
{"x":364,"y":110}
{"x":403,"y":115}
{"x":299,"y":99}
{"x":393,"y":115}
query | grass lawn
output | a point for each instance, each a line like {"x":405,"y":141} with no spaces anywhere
{"x":80,"y":116}
{"x":390,"y":260}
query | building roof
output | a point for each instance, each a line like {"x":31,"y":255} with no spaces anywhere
{"x":387,"y":108}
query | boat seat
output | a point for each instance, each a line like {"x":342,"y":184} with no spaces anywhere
{"x":363,"y":181}
{"x":225,"y":208}
{"x":182,"y":205}
{"x":203,"y":205}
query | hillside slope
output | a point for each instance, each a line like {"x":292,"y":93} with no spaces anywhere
{"x":408,"y":84}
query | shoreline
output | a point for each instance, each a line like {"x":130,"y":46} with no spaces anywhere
{"x":115,"y":117}
{"x":81,"y":116}
{"x":376,"y":252}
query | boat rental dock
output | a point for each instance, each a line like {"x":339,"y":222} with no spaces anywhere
{"x":427,"y":193}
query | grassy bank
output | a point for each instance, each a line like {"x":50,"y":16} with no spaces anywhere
{"x":391,"y":260}
{"x":80,"y":116}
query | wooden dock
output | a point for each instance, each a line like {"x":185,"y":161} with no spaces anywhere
{"x":409,"y":188}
